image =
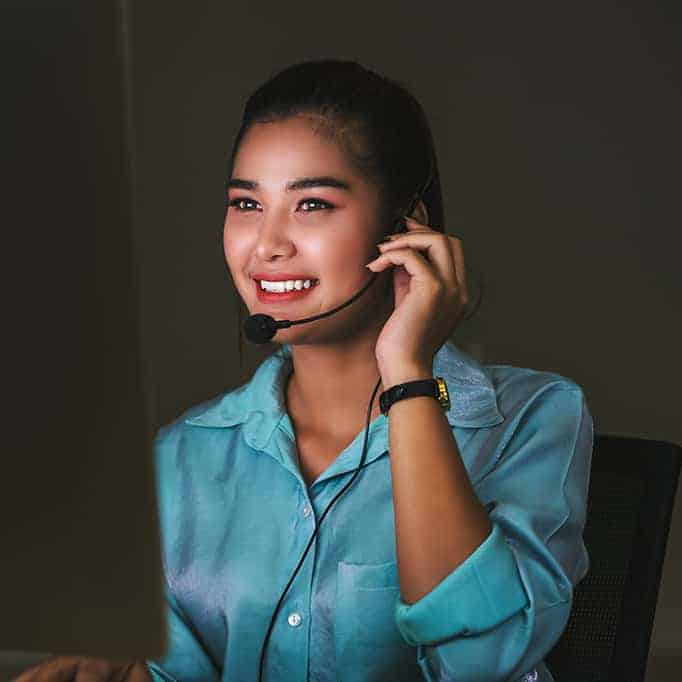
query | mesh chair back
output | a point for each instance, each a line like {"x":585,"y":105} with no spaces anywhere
{"x":632,"y":490}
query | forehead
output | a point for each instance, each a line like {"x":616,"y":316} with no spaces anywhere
{"x":300,"y":144}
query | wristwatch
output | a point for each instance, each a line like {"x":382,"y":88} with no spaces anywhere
{"x":437,"y":388}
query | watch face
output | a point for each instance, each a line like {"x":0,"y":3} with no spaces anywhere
{"x":443,"y":394}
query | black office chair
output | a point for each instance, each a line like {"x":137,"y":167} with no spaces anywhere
{"x":631,"y":496}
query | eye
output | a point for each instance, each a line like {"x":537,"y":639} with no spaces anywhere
{"x":238,"y":202}
{"x":326,"y":204}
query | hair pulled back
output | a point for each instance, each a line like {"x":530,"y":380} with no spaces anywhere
{"x":380,"y":126}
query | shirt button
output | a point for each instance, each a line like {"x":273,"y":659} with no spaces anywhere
{"x":531,"y":676}
{"x":294,"y":619}
{"x":307,"y":511}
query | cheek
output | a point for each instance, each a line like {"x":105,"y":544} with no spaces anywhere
{"x":228,"y":238}
{"x":234,"y":259}
{"x":228,"y":248}
{"x":341,"y":253}
{"x":235,"y":247}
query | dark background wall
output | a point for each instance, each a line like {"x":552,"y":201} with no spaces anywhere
{"x":557,"y":129}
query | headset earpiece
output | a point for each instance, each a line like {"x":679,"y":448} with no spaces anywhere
{"x":399,"y":226}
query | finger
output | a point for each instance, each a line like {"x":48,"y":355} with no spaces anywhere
{"x":393,"y":237}
{"x":105,"y":670}
{"x":139,"y":672}
{"x":60,"y":669}
{"x":437,"y":247}
{"x":93,"y":670}
{"x":413,"y":224}
{"x":415,"y":264}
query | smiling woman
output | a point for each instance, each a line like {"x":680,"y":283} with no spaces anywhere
{"x":435,"y":560}
{"x":300,"y":133}
{"x":312,"y":227}
{"x":448,"y":571}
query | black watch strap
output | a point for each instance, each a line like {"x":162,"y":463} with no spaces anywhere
{"x":436,"y":388}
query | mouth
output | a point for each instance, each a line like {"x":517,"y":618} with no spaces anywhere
{"x":281,"y":293}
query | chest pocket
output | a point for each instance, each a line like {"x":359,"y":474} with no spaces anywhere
{"x":367,"y":641}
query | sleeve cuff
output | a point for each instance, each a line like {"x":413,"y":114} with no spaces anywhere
{"x":482,"y":592}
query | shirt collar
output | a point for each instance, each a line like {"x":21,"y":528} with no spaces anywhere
{"x":259,"y":404}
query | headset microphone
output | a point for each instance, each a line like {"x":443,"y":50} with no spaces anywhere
{"x":261,"y":328}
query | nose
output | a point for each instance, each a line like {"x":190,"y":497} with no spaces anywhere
{"x":273,"y":239}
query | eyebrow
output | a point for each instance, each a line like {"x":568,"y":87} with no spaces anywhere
{"x":301,"y":183}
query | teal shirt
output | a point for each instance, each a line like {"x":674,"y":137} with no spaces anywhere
{"x":236,"y":516}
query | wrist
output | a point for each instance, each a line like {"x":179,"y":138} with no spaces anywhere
{"x":405,"y":373}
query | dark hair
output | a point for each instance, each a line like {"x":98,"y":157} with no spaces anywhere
{"x":376,"y":121}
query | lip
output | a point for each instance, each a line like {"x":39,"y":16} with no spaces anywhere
{"x":270,"y":297}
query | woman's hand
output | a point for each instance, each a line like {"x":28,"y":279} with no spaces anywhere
{"x":80,"y":669}
{"x":430,"y":298}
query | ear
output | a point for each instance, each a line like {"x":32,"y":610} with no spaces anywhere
{"x":421,"y":213}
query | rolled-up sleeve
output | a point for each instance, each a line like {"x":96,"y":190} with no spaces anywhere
{"x":500,"y":612}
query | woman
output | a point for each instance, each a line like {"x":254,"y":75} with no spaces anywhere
{"x":454,"y":553}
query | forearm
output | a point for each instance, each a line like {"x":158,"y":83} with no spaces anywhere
{"x":439,"y":521}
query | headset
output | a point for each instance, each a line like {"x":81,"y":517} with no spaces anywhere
{"x":261,"y":328}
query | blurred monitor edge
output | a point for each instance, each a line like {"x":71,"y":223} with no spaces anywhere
{"x":81,"y":567}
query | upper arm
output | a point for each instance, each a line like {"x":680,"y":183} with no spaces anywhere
{"x":186,"y":657}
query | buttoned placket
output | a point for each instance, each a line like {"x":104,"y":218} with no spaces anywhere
{"x":296,"y":610}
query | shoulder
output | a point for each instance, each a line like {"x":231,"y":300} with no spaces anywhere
{"x":514,"y":383}
{"x":196,"y":424}
{"x":546,"y":416}
{"x":171,"y":432}
{"x":544,"y":423}
{"x":523,"y":391}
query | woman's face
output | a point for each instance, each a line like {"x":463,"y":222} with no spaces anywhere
{"x":318,"y":232}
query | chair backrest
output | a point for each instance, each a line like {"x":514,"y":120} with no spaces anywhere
{"x":632,"y":491}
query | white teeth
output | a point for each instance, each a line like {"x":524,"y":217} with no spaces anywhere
{"x":284,"y":286}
